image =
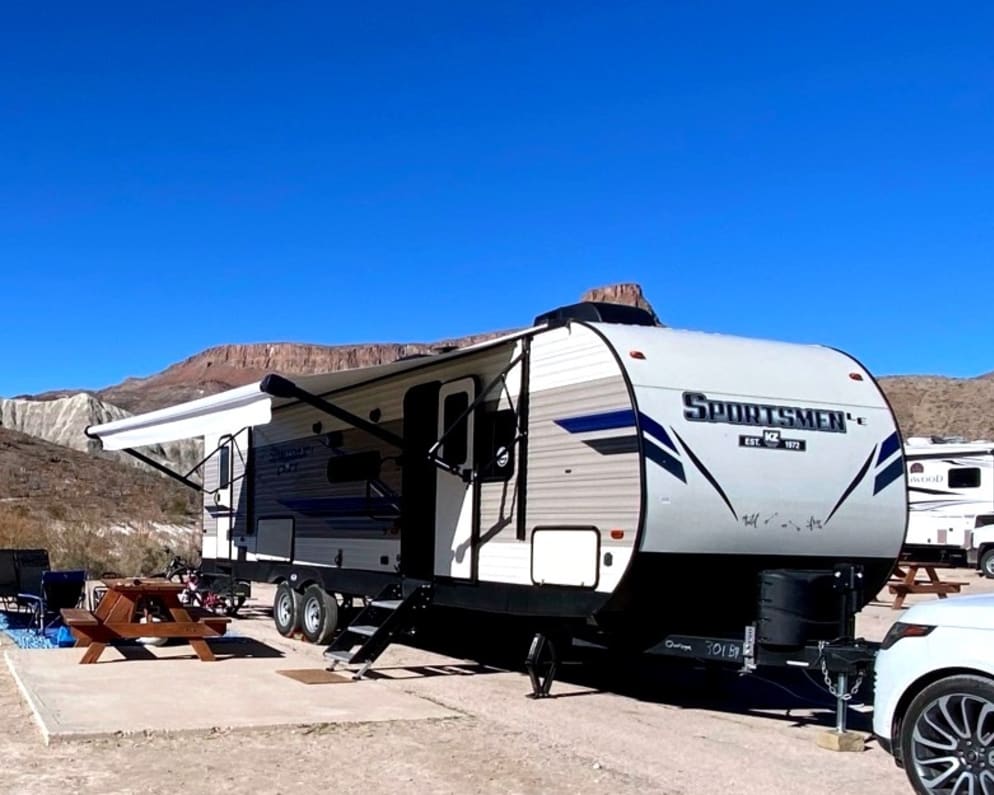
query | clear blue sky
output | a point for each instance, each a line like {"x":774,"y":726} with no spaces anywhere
{"x":178,"y":175}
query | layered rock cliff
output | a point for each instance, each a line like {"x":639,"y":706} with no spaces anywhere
{"x":627,"y":293}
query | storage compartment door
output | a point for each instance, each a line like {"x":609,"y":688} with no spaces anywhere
{"x":566,"y":556}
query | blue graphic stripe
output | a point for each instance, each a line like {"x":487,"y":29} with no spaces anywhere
{"x":342,"y":506}
{"x":657,"y":430}
{"x":659,"y":456}
{"x":604,"y":421}
{"x":890,"y":446}
{"x":888,"y":476}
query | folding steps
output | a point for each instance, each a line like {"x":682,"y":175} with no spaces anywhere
{"x":377,"y":625}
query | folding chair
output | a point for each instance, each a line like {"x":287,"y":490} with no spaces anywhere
{"x":47,"y":592}
{"x":8,"y":578}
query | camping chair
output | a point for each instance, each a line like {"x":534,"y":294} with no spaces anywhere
{"x":47,"y":592}
{"x":8,"y":578}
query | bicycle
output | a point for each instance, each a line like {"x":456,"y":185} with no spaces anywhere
{"x":221,"y":594}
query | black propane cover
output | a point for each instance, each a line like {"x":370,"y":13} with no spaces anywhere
{"x":797,"y":607}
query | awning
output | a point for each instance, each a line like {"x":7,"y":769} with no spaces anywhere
{"x":250,"y":405}
{"x":225,"y":412}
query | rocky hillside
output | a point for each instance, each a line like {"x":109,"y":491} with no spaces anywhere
{"x":928,"y":405}
{"x":63,"y":421}
{"x":51,"y":482}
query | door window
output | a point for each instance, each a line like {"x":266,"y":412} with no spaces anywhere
{"x":456,"y":443}
{"x":224,"y":467}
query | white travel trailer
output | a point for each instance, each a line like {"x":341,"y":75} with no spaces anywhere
{"x":597,"y":475}
{"x":951,"y":501}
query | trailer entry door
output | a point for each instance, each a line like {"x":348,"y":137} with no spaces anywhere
{"x":220,"y":504}
{"x":454,"y":508}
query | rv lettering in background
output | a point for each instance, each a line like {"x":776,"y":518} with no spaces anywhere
{"x":286,"y":458}
{"x":700,"y":408}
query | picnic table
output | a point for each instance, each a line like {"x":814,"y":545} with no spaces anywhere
{"x":126,"y":601}
{"x":904,"y":581}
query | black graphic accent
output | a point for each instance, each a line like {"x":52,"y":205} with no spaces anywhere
{"x":707,"y":474}
{"x":939,"y":492}
{"x":852,"y":486}
{"x":659,"y":456}
{"x":614,"y":445}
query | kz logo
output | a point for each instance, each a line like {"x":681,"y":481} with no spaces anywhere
{"x":772,"y":440}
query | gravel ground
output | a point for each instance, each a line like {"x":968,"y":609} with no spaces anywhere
{"x":651,"y":727}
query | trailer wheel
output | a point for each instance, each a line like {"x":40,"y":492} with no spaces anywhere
{"x":987,"y":563}
{"x":318,"y":614}
{"x":286,"y":609}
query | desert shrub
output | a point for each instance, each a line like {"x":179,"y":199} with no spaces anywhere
{"x":80,"y":542}
{"x":176,"y":507}
{"x":80,"y":545}
{"x":188,"y":546}
{"x":140,"y":552}
{"x":18,"y":529}
{"x":57,"y":511}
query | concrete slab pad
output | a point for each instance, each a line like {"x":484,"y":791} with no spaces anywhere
{"x":168,"y":690}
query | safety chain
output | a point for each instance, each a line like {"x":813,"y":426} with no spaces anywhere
{"x":831,"y":687}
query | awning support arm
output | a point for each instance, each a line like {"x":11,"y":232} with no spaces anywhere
{"x":233,"y":438}
{"x":278,"y":386}
{"x":164,"y":469}
{"x":433,"y":455}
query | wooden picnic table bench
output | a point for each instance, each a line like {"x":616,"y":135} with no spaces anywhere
{"x":121,"y":611}
{"x":905,"y":581}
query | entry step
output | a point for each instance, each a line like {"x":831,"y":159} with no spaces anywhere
{"x":364,"y":629}
{"x":387,"y":604}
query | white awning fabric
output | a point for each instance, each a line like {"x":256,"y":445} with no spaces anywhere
{"x":226,"y":412}
{"x":248,"y":406}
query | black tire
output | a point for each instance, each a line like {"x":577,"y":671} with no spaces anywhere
{"x":318,"y":615}
{"x":968,"y":701}
{"x":232,"y":604}
{"x":987,"y":563}
{"x":286,"y":609}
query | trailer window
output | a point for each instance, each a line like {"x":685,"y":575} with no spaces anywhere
{"x":224,"y":467}
{"x":495,"y":446}
{"x":456,"y":443}
{"x":966,"y":478}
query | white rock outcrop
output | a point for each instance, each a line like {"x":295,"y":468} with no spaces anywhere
{"x":64,"y":421}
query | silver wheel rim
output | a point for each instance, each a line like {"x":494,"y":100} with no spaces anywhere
{"x":284,"y":609}
{"x":952,"y":746}
{"x":312,"y":616}
{"x":989,"y":567}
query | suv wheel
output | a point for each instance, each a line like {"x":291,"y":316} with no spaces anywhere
{"x":947,"y":737}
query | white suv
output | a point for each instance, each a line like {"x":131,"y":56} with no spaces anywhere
{"x":934,"y":695}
